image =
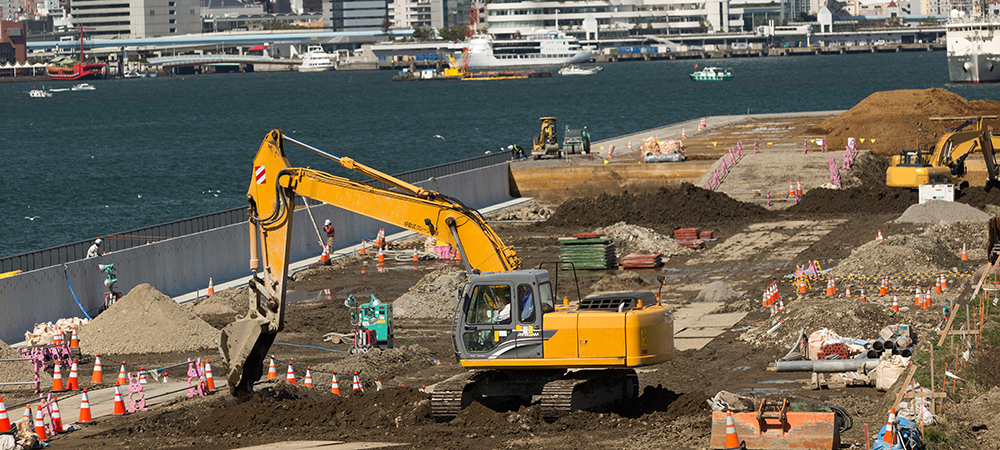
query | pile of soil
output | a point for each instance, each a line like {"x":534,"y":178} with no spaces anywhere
{"x":635,"y":239}
{"x":896,"y":255}
{"x":528,"y":211}
{"x":622,"y":282}
{"x":433,"y":297}
{"x":938,"y":211}
{"x":375,"y":365}
{"x":717,"y":291}
{"x":232,"y":301}
{"x":146,"y":321}
{"x":16,"y":371}
{"x":899,"y":120}
{"x":682,"y":206}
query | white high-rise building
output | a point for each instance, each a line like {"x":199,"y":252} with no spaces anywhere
{"x":137,"y":18}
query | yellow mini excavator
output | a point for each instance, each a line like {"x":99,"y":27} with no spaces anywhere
{"x":509,"y":329}
{"x":946,"y":163}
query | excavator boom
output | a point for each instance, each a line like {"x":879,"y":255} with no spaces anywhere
{"x":271,"y":196}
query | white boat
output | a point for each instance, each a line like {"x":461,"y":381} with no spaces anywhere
{"x":579,"y":70}
{"x":712,"y":74}
{"x":40,"y":93}
{"x":132,"y":74}
{"x":315,"y":60}
{"x":973,"y":49}
{"x":543,"y":48}
{"x":84,"y":87}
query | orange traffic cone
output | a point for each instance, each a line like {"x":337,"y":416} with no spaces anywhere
{"x":890,"y":433}
{"x":878,"y":237}
{"x":209,"y":382}
{"x":57,"y":384}
{"x":895,"y":303}
{"x":684,"y":134}
{"x":334,"y":386}
{"x":142,"y":375}
{"x":290,"y":377}
{"x":40,"y":425}
{"x":85,"y":408}
{"x":211,"y":286}
{"x":74,"y":341}
{"x":57,"y":337}
{"x":74,"y":382}
{"x":356,"y":385}
{"x":122,"y":378}
{"x":98,"y":376}
{"x":119,"y":404}
{"x":918,"y":299}
{"x":884,"y":289}
{"x":847,"y":292}
{"x":27,"y":413}
{"x":732,"y":440}
{"x":415,"y":257}
{"x":381,"y":256}
{"x":831,"y":288}
{"x":944,"y":282}
{"x":324,"y":258}
{"x":965,"y":256}
{"x":937,"y":286}
{"x":56,"y":417}
{"x":362,"y":250}
{"x":309,"y":377}
{"x":166,"y":378}
{"x":863,"y":297}
{"x":4,"y":420}
{"x":701,"y":126}
{"x":798,"y":188}
{"x":927,"y":299}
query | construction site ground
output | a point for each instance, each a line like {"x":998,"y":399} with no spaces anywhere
{"x":719,"y":344}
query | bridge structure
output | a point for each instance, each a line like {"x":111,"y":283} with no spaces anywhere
{"x":217,"y":60}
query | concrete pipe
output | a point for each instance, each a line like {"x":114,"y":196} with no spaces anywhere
{"x":906,"y":352}
{"x":873,"y":354}
{"x":902,"y":342}
{"x":878,"y":345}
{"x":888,"y":344}
{"x":826,"y":365}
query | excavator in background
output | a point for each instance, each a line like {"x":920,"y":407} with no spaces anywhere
{"x":518,"y":341}
{"x":546,"y":143}
{"x":946,"y":163}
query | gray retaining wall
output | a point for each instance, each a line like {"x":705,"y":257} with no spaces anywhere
{"x":184,"y":264}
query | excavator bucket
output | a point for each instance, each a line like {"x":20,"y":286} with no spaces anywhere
{"x":244,"y":345}
{"x":779,"y":428}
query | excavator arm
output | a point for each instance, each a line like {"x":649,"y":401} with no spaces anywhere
{"x":271,"y":196}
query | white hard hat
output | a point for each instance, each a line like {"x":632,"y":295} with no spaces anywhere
{"x":327,"y":222}
{"x":98,"y":241}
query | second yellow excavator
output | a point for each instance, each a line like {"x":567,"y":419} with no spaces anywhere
{"x":946,"y":163}
{"x":518,"y":341}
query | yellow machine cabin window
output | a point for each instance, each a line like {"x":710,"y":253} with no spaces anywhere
{"x":545,"y":297}
{"x":488,"y":319}
{"x":527,"y":307}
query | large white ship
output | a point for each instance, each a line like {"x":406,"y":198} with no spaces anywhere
{"x":542,"y":48}
{"x":974,"y":49}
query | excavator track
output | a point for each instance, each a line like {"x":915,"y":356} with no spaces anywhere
{"x":588,"y":390}
{"x":446,"y":399}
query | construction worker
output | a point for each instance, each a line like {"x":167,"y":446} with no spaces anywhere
{"x":94,"y":249}
{"x":328,"y":228}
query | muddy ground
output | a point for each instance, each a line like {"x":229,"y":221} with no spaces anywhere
{"x":755,"y":245}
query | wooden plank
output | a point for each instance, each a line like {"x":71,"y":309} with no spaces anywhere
{"x":906,"y":383}
{"x":975,"y":294}
{"x":924,"y":395}
{"x":942,"y":333}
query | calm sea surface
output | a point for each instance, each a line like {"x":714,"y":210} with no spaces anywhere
{"x":146,"y":151}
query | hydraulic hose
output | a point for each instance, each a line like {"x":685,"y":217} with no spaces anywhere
{"x":74,"y":294}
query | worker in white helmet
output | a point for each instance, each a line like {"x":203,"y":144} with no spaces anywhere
{"x":94,"y":249}
{"x":328,"y":228}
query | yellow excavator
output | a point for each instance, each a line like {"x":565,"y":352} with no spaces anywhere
{"x":517,"y":340}
{"x":946,"y":163}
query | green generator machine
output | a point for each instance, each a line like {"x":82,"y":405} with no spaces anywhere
{"x":373,"y":322}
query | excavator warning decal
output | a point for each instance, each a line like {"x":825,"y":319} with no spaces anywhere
{"x":260,"y":175}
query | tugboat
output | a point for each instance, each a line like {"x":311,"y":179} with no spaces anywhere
{"x":712,"y":74}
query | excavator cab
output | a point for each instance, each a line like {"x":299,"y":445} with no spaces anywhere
{"x":547,"y":142}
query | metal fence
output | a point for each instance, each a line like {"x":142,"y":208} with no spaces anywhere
{"x":120,"y":241}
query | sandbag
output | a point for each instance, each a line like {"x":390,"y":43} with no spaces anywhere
{"x":888,"y":371}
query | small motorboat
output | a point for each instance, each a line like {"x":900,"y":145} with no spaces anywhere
{"x":579,"y":70}
{"x":40,"y":93}
{"x":712,"y":74}
{"x":84,"y":87}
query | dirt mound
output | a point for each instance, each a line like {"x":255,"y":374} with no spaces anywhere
{"x":847,"y":318}
{"x":146,"y":321}
{"x":12,"y":372}
{"x":899,"y":120}
{"x":863,"y":200}
{"x":894,"y":255}
{"x":623,"y":282}
{"x":979,"y":414}
{"x":979,"y":196}
{"x":234,"y":301}
{"x":938,"y":211}
{"x":717,"y":291}
{"x":433,"y":296}
{"x":686,"y":205}
{"x":635,"y":239}
{"x":376,"y":364}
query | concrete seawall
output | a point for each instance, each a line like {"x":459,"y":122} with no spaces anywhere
{"x":184,"y":264}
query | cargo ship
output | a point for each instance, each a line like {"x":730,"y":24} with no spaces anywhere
{"x":65,"y":68}
{"x":973,"y":49}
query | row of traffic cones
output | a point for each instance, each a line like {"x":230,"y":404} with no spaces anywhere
{"x":272,"y":373}
{"x":56,"y":422}
{"x":794,"y":190}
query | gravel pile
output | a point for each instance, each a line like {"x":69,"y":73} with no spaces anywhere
{"x":939,"y":211}
{"x":146,"y":321}
{"x":434,"y":296}
{"x":528,"y":211}
{"x":717,"y":291}
{"x":635,"y":239}
{"x":15,"y":371}
{"x":896,"y":254}
{"x":622,"y":282}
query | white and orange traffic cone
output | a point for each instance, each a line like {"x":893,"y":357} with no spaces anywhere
{"x":4,"y":419}
{"x":57,"y":338}
{"x":56,"y":417}
{"x":85,"y":408}
{"x":356,"y":385}
{"x":324,"y":258}
{"x":944,"y":282}
{"x":890,"y":433}
{"x":798,"y":188}
{"x":847,"y":292}
{"x":165,"y":379}
{"x":209,"y":381}
{"x":74,"y":381}
{"x":791,"y":189}
{"x":98,"y":376}
{"x":937,"y":286}
{"x":334,"y":386}
{"x":290,"y":377}
{"x":74,"y":340}
{"x":211,"y":287}
{"x":927,"y":299}
{"x":415,"y":256}
{"x":878,"y":237}
{"x":863,"y":297}
{"x":884,"y":289}
{"x":831,"y":288}
{"x":381,"y":256}
{"x":732,"y":440}
{"x":684,"y":134}
{"x":918,"y":299}
{"x":27,"y":413}
{"x":40,"y":425}
{"x":122,"y":378}
{"x":895,"y":303}
{"x":119,"y":404}
{"x":309,"y":377}
{"x":965,"y":256}
{"x":57,"y":381}
{"x":272,"y":372}
{"x":142,"y":375}
{"x":701,"y":126}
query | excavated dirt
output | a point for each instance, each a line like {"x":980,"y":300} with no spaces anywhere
{"x":901,"y":120}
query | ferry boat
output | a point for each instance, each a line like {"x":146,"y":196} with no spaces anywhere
{"x":543,"y":48}
{"x":973,"y":49}
{"x":712,"y":74}
{"x":579,"y":70}
{"x":64,"y":68}
{"x":315,"y":60}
